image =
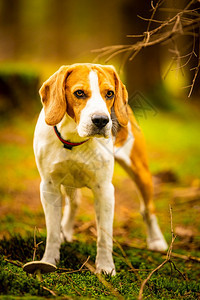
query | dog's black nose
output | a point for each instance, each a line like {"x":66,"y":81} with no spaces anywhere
{"x":100,"y":120}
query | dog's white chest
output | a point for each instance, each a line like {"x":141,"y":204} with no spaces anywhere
{"x":85,"y":166}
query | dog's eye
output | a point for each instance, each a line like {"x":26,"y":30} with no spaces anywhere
{"x":79,"y":94}
{"x":110,"y":95}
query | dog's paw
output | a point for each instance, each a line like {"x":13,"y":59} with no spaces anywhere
{"x":50,"y":260}
{"x":106,"y":270}
{"x":157,"y":244}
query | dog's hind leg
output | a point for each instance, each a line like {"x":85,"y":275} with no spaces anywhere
{"x":72,"y":200}
{"x":134,"y":161}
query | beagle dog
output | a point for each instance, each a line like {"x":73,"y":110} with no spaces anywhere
{"x":84,"y":125}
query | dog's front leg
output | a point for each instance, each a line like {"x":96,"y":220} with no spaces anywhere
{"x":52,"y":202}
{"x":104,"y":207}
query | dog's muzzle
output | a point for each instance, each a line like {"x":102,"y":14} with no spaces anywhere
{"x":100,"y":121}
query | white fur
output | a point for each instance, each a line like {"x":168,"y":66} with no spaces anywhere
{"x":123,"y":153}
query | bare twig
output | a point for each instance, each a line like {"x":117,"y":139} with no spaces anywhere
{"x":50,"y":291}
{"x":104,"y":282}
{"x":158,"y":39}
{"x":125,"y":258}
{"x":196,"y":73}
{"x":75,"y":271}
{"x":15,"y":263}
{"x":76,"y":285}
{"x":172,"y":229}
{"x":149,"y":276}
{"x":183,"y":23}
{"x":167,"y":260}
{"x":173,"y":254}
{"x":35,"y":244}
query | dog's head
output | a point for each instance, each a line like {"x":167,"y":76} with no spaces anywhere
{"x":88,"y":93}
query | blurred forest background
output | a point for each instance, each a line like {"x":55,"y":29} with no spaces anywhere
{"x":41,"y":35}
{"x":36,"y":38}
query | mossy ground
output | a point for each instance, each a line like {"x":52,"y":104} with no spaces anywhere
{"x":167,"y":283}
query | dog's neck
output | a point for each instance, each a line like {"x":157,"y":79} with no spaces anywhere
{"x":68,"y":130}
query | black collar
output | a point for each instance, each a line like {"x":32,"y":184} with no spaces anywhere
{"x":67,"y":144}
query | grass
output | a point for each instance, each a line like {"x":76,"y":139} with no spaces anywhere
{"x":173,"y":144}
{"x":168,"y":284}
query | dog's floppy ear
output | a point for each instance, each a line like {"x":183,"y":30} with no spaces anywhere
{"x":121,"y":97}
{"x":121,"y":101}
{"x":52,"y":94}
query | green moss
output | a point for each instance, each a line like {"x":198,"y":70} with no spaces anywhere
{"x":165,"y":284}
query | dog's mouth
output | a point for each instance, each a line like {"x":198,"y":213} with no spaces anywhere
{"x":99,"y":133}
{"x":90,"y":130}
{"x":95,"y":132}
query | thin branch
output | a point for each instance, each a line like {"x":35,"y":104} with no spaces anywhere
{"x":196,"y":73}
{"x":135,"y":35}
{"x":167,"y":260}
{"x":150,"y":20}
{"x":149,"y":276}
{"x":36,"y":245}
{"x":175,"y":10}
{"x":76,"y":285}
{"x":183,"y":23}
{"x":75,"y":271}
{"x":116,"y":53}
{"x":125,"y":258}
{"x":158,"y":39}
{"x":105,"y":283}
{"x":14,"y":262}
{"x":172,"y":263}
{"x":194,"y":79}
{"x":50,"y":291}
